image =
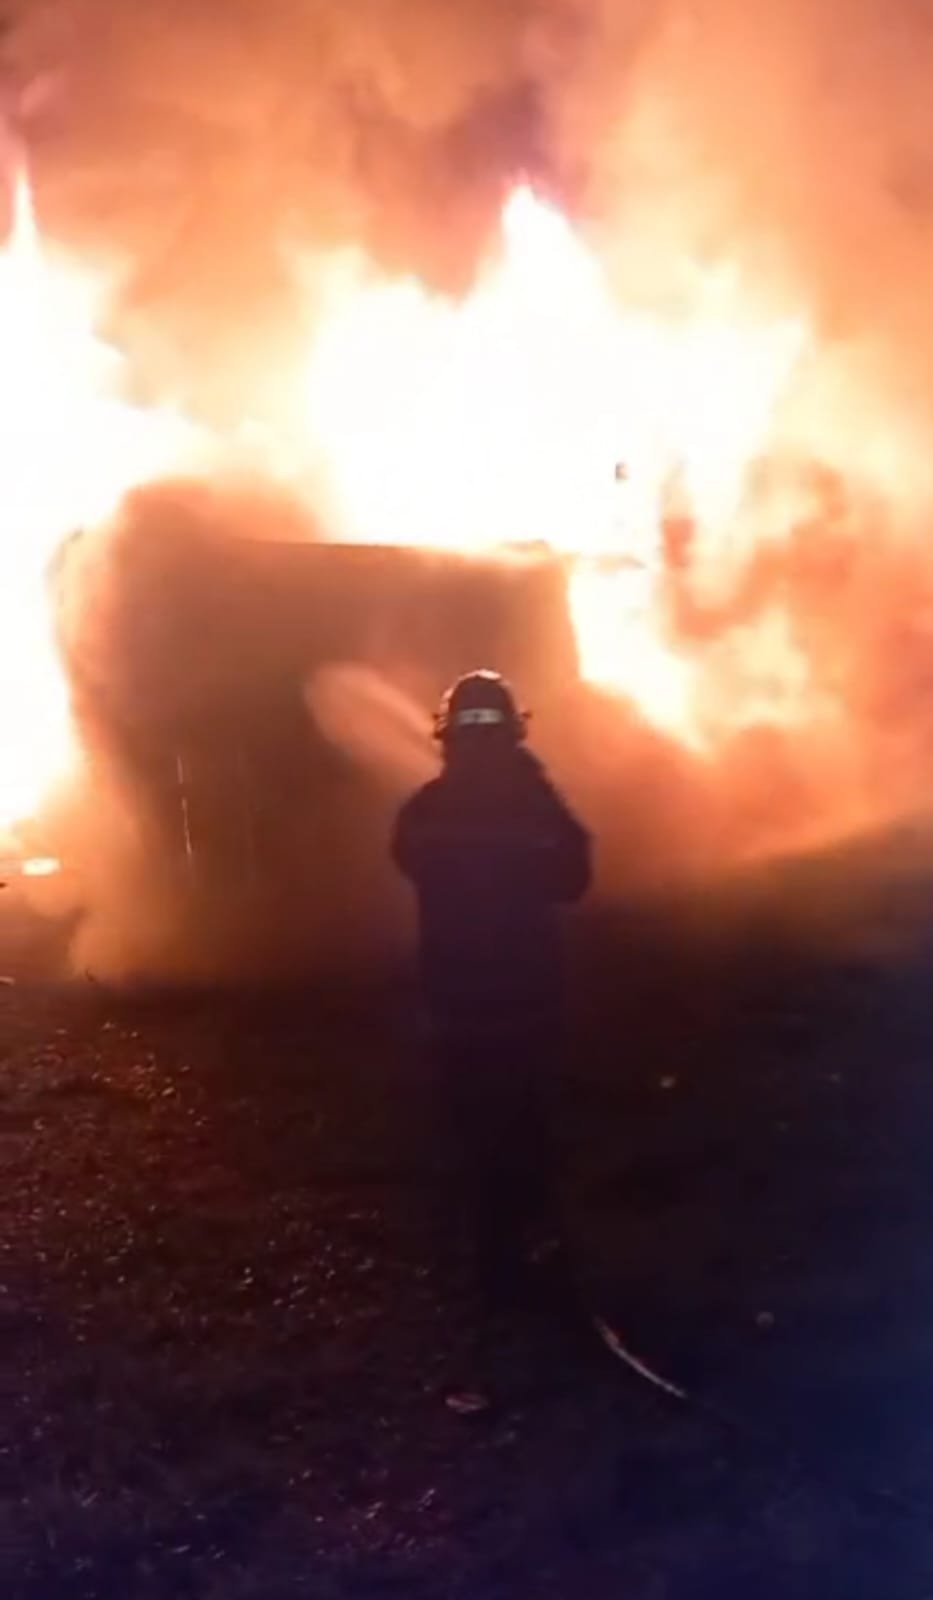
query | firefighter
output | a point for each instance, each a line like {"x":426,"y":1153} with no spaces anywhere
{"x":492,"y":851}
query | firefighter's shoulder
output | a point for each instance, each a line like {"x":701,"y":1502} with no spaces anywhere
{"x":423,"y":804}
{"x":429,"y":795}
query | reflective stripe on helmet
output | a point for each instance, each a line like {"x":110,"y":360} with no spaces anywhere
{"x":478,"y":717}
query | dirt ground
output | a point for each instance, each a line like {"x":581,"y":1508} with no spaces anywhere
{"x":223,"y":1337}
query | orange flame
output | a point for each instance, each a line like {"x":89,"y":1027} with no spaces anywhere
{"x":71,"y":448}
{"x":539,"y":409}
{"x":502,"y":420}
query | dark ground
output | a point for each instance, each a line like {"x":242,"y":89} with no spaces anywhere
{"x":221,"y":1346}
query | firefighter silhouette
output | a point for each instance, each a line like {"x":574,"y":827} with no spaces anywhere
{"x":493,"y":852}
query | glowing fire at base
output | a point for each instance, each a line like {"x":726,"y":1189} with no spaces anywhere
{"x":615,"y":616}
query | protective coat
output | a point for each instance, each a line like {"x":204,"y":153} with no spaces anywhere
{"x":492,"y":851}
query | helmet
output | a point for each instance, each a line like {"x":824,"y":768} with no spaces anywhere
{"x":480,"y":702}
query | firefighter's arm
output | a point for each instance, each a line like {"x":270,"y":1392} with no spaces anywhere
{"x":565,"y":850}
{"x":405,"y":842}
{"x":553,"y":846}
{"x":421,"y":837}
{"x":569,"y":861}
{"x":550,"y":840}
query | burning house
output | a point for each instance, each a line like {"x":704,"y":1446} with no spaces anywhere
{"x":394,"y":298}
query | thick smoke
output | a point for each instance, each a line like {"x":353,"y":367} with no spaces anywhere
{"x":795,"y":141}
{"x":254,"y":704}
{"x":204,"y":150}
{"x":206,"y":147}
{"x":202,"y":145}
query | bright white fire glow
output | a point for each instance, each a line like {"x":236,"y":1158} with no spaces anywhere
{"x":70,"y":449}
{"x":494,"y":421}
{"x":502,"y":419}
{"x":41,"y":866}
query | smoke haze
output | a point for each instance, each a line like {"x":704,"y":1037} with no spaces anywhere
{"x":205,"y":149}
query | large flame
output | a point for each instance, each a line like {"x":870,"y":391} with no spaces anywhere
{"x":70,"y":449}
{"x":537,"y":411}
{"x":501,"y":418}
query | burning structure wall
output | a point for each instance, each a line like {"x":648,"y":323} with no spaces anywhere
{"x":255,"y":704}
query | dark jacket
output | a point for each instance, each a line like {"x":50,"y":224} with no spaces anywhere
{"x":492,"y":850}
